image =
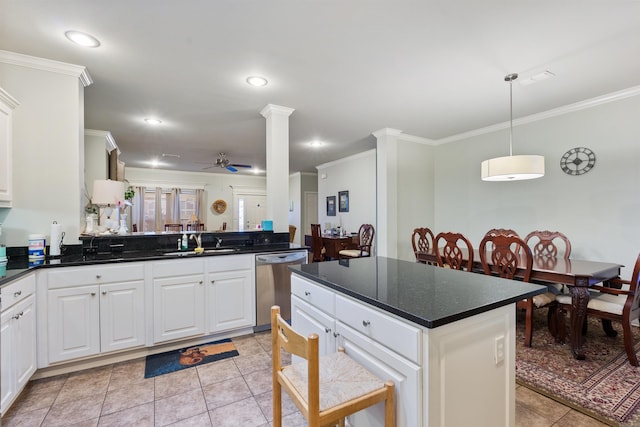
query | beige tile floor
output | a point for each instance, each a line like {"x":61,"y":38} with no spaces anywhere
{"x":233,"y":392}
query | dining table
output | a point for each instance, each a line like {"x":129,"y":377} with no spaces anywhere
{"x":333,"y":244}
{"x":577,"y":274}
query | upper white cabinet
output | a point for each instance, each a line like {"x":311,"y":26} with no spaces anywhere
{"x":7,"y":104}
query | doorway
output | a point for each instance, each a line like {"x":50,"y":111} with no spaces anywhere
{"x":249,"y":209}
{"x":310,"y":211}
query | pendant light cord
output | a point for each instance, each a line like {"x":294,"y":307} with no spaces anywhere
{"x":510,"y":78}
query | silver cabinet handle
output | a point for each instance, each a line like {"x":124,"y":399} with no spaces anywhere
{"x":336,"y":335}
{"x":98,"y":276}
{"x":104,"y":292}
{"x":307,"y":293}
{"x":365,"y":323}
{"x":213,"y":281}
{"x":17,"y":294}
{"x":19,"y":315}
{"x":201,"y":282}
{"x":93,"y":294}
{"x":327,"y":330}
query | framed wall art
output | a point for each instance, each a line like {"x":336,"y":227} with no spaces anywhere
{"x":331,"y":205}
{"x":343,"y":201}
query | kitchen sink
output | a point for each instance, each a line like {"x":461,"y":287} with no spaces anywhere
{"x":206,"y":251}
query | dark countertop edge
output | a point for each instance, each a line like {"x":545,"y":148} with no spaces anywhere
{"x":76,"y":261}
{"x":430,"y":324}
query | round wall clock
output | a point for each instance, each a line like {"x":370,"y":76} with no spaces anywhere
{"x":578,"y":161}
{"x":219,"y":206}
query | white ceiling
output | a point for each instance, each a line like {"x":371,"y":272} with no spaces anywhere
{"x":431,"y":68}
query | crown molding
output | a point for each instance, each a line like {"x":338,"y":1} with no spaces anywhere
{"x":416,"y":139}
{"x":50,"y":65}
{"x":8,"y":99}
{"x":110,"y":142}
{"x":577,"y":106}
{"x":346,"y":159}
{"x":386,"y":132}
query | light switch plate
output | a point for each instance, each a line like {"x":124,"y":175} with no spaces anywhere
{"x":498,"y":355}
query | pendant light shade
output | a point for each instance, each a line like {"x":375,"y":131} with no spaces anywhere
{"x":512,"y":168}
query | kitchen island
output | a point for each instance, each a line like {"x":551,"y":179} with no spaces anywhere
{"x":446,"y":338}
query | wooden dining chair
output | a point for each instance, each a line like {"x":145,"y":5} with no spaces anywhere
{"x":327,"y":388}
{"x":545,"y":243}
{"x":198,"y":226}
{"x":363,"y":247}
{"x":503,"y":256}
{"x":317,"y":247}
{"x":422,"y":241}
{"x":449,"y":251}
{"x":619,"y":301}
{"x":292,"y":233}
{"x":173,"y":227}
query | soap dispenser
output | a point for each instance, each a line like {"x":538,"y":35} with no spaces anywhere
{"x":185,"y":242}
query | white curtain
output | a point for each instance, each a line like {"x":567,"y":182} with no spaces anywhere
{"x":137,"y":210}
{"x":201,"y":207}
{"x":173,"y":206}
{"x":159,"y":221}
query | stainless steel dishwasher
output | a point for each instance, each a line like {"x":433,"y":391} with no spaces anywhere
{"x":273,"y":285}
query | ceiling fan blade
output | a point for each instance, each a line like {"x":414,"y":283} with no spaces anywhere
{"x":231,"y":168}
{"x":241,"y":166}
{"x":208,"y":167}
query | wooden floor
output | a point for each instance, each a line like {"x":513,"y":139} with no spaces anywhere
{"x":233,"y":392}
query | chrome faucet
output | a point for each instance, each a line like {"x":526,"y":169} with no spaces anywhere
{"x":197,"y":238}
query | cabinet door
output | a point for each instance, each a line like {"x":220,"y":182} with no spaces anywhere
{"x":121,"y":315}
{"x":74,"y":322}
{"x":307,"y":320}
{"x":7,"y":377}
{"x":24,"y":339}
{"x":230,"y":301}
{"x":178,"y":307}
{"x":6,"y":117}
{"x":387,"y":365}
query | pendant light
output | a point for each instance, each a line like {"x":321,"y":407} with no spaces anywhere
{"x":512,"y":168}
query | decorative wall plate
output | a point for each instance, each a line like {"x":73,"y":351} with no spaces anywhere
{"x":578,"y":161}
{"x":219,"y":206}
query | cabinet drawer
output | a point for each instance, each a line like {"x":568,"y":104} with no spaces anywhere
{"x":76,"y":276}
{"x":315,"y":295}
{"x":177,"y":267}
{"x":229,"y":262}
{"x":394,"y":334}
{"x":17,"y":290}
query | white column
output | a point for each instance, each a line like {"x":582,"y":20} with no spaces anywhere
{"x":277,"y":118}
{"x":387,"y":185}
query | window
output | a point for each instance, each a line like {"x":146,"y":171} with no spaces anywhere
{"x":157,"y":214}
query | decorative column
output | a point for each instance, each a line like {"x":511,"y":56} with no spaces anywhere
{"x":387,"y":184}
{"x":277,"y":118}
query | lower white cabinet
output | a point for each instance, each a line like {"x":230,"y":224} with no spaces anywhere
{"x":178,"y":307}
{"x":93,"y":310}
{"x":337,"y":320}
{"x":18,"y":336}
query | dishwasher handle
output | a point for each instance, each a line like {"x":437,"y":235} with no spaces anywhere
{"x":290,"y":257}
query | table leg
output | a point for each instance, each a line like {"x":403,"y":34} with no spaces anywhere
{"x":579,"y":301}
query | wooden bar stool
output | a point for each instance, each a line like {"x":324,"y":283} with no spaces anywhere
{"x":324,"y":388}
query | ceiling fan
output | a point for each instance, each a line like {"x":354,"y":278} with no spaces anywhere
{"x":223,"y":162}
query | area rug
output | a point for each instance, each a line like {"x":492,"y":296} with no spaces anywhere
{"x":175,"y":360}
{"x":604,"y":386}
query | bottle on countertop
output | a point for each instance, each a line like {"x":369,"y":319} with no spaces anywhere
{"x":185,"y":242}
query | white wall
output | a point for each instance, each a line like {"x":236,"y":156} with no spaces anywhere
{"x":216,"y":185}
{"x":48,"y":153}
{"x":597,"y":211}
{"x":356,"y":174}
{"x":415,"y":193}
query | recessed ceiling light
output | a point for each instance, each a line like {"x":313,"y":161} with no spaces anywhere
{"x":257,"y":81}
{"x":316,"y":144}
{"x":153,"y":121}
{"x":82,"y":39}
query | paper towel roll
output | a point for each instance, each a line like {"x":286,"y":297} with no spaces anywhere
{"x":56,"y":236}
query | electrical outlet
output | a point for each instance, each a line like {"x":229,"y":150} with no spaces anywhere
{"x":498,"y":355}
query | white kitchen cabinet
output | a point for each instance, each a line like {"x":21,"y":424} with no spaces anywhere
{"x":7,"y":104}
{"x":230,"y":294}
{"x":94,"y":310}
{"x":309,"y":320}
{"x":18,"y":335}
{"x":178,"y":299}
{"x":381,"y":343}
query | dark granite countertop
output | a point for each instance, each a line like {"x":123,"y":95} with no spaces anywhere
{"x":427,"y":295}
{"x":21,"y":265}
